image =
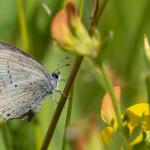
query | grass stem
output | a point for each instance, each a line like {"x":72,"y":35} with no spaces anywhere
{"x":68,"y":118}
{"x":110,"y":89}
{"x":72,"y":76}
{"x":23,"y":27}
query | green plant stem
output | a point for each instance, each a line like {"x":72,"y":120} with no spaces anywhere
{"x":147,"y":81}
{"x":68,"y":118}
{"x":61,"y":104}
{"x":69,"y":83}
{"x":81,"y":8}
{"x":7,"y":137}
{"x":110,"y":89}
{"x":37,"y":134}
{"x":96,"y":72}
{"x":23,"y":27}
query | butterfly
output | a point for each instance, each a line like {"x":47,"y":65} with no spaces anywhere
{"x":24,"y":83}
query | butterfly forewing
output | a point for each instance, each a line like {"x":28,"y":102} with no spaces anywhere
{"x":23,"y":83}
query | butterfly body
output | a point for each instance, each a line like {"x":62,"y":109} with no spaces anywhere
{"x":24,"y":83}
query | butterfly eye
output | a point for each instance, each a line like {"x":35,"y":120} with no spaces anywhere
{"x":55,"y":75}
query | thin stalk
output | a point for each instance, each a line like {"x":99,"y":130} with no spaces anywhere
{"x":69,"y":83}
{"x":37,"y":135}
{"x":7,"y":137}
{"x":110,"y":89}
{"x":61,"y":104}
{"x":23,"y":26}
{"x":96,"y":72}
{"x":81,"y":8}
{"x":68,"y":118}
{"x":147,"y":81}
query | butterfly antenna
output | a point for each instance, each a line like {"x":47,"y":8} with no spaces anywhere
{"x":61,"y":61}
{"x":61,"y":66}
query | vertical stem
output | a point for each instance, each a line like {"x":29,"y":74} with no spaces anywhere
{"x":81,"y":8}
{"x":23,"y":27}
{"x":61,"y":103}
{"x":37,"y":135}
{"x":7,"y":137}
{"x":110,"y":89}
{"x":68,"y":117}
{"x":147,"y":80}
{"x":72,"y":76}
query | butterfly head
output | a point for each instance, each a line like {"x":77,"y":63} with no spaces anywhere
{"x":56,"y":75}
{"x":53,"y":79}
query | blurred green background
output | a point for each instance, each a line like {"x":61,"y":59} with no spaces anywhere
{"x":127,"y":20}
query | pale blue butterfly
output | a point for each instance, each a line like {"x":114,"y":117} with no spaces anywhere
{"x":24,"y":83}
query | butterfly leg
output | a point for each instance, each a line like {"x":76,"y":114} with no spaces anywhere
{"x":30,"y":114}
{"x":63,"y":80}
{"x":52,"y":97}
{"x":60,"y":92}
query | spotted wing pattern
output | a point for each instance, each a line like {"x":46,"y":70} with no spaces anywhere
{"x":23,"y":83}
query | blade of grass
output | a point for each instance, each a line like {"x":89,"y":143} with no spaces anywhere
{"x":137,"y":38}
{"x":147,"y":81}
{"x":2,"y":143}
{"x":68,"y":118}
{"x":7,"y":137}
{"x":110,"y":89}
{"x":23,"y":26}
{"x":81,"y":8}
{"x":37,"y":134}
{"x":147,"y":65}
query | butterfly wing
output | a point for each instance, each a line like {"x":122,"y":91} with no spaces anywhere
{"x":23,"y":83}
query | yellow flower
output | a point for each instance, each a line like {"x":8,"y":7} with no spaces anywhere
{"x":136,"y":119}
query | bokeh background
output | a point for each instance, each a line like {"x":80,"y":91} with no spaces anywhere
{"x":123,"y":23}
